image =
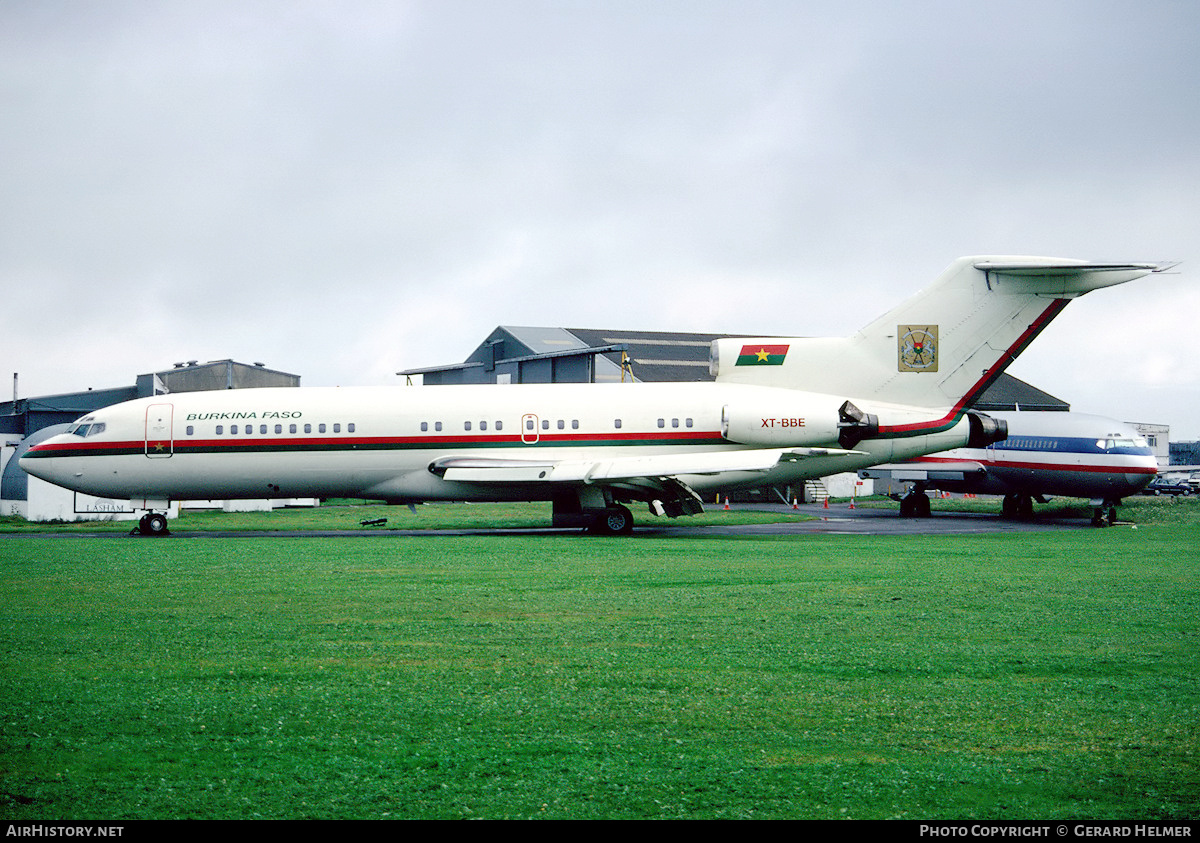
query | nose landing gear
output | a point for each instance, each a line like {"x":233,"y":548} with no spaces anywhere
{"x":151,"y":524}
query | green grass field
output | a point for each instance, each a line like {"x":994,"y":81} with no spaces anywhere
{"x":1007,"y":676}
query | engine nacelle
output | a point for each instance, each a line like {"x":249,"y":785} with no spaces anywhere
{"x":779,"y":418}
{"x":985,"y":430}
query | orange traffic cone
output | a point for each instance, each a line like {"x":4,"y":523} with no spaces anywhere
{"x":727,"y":503}
{"x":827,"y":503}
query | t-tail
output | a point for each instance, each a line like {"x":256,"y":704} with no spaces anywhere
{"x":939,"y":350}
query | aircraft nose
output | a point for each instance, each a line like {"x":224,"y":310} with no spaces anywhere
{"x":1136,"y":481}
{"x":42,"y":462}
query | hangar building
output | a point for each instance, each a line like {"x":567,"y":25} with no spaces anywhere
{"x":588,"y":355}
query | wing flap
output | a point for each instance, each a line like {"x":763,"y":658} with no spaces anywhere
{"x":957,"y":470}
{"x":588,"y":471}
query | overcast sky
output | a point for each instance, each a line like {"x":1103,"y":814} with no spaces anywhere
{"x":346,"y":189}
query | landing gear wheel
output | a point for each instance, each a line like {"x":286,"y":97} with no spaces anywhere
{"x":154,"y":524}
{"x":915,"y":505}
{"x":923,"y":508}
{"x":1024,"y":506}
{"x":1008,"y":509}
{"x":615,"y":521}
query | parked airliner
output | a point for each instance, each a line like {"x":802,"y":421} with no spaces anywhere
{"x":780,"y":410}
{"x":1046,"y":454}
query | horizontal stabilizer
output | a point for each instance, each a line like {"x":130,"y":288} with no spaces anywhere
{"x":1059,"y":277}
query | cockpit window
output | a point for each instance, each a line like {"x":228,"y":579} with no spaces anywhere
{"x":1118,"y":444}
{"x":86,"y":428}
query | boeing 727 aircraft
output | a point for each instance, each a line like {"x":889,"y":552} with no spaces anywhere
{"x":1046,"y":454}
{"x":780,"y":410}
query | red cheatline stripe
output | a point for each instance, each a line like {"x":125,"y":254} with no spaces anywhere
{"x":270,"y":443}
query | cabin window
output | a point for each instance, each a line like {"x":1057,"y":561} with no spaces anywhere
{"x":220,"y":429}
{"x":350,"y":427}
{"x":262,"y":428}
{"x":466,"y":425}
{"x":561,"y":424}
{"x":308,"y":428}
{"x":545,"y":424}
{"x":529,"y":424}
{"x":674,"y":422}
{"x":337,"y":428}
{"x":190,"y":430}
{"x":688,"y":423}
{"x":424,"y":427}
{"x":279,"y":428}
{"x":499,"y":425}
{"x":574,"y":424}
{"x":233,"y":429}
{"x":662,"y":422}
{"x":617,"y":424}
{"x":437,"y":426}
{"x":291,"y":428}
{"x":483,"y":425}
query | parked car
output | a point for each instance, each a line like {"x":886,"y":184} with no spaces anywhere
{"x":1164,"y":486}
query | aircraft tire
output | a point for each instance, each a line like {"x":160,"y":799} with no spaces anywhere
{"x":923,"y":509}
{"x":154,"y":524}
{"x":614,"y":521}
{"x":1008,"y":509}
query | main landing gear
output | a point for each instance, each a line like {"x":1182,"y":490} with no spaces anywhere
{"x":1104,"y":515}
{"x":1017,"y":506}
{"x":616,"y":520}
{"x":594,"y":510}
{"x":915,"y":505}
{"x":151,"y":524}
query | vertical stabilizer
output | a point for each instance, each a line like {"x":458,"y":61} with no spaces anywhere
{"x":942,"y":347}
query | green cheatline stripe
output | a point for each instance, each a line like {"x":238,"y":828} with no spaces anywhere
{"x":755,"y":360}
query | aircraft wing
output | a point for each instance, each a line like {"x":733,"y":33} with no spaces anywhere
{"x":952,"y":470}
{"x":601,"y":471}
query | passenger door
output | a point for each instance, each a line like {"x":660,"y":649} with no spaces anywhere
{"x":160,"y":442}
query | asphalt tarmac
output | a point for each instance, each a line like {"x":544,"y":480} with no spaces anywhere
{"x":839,"y":518}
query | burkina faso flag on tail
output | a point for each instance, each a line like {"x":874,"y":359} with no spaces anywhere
{"x":762,"y":355}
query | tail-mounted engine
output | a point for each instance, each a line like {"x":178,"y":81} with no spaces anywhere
{"x":855,"y":425}
{"x":984,"y":430}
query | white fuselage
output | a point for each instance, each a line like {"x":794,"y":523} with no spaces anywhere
{"x":380,"y":442}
